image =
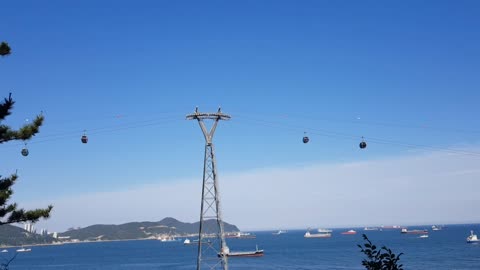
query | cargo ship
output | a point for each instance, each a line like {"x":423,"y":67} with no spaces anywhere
{"x":255,"y":253}
{"x":239,"y":235}
{"x":317,"y":235}
{"x":406,"y":231}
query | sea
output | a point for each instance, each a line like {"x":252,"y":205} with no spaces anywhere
{"x":443,"y":249}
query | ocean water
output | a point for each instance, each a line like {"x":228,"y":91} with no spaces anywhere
{"x":444,"y":249}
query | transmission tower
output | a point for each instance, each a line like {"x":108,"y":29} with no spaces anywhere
{"x":211,"y":237}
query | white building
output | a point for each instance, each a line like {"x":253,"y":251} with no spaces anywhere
{"x":29,"y":227}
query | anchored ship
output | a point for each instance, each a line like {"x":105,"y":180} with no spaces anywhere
{"x":405,"y":230}
{"x":255,"y":253}
{"x":317,"y":235}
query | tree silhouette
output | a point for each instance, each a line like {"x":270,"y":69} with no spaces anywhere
{"x":9,"y":212}
{"x":379,"y":259}
{"x":4,"y":49}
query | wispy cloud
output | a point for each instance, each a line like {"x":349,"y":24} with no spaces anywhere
{"x":416,"y":189}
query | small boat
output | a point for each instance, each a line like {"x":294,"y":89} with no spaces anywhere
{"x":472,"y":238}
{"x":255,"y":253}
{"x":166,"y":238}
{"x":3,"y":251}
{"x":279,"y":232}
{"x":370,"y":229}
{"x":423,"y":236}
{"x":317,"y":235}
{"x":324,"y":230}
{"x":349,"y":232}
{"x":187,"y":242}
{"x":435,"y":228}
{"x":24,"y":250}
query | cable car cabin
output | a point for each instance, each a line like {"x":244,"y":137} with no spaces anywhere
{"x":306,"y":139}
{"x":84,"y":139}
{"x":24,"y":152}
{"x":363,"y":145}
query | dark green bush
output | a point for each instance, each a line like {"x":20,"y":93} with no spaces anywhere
{"x":379,"y":259}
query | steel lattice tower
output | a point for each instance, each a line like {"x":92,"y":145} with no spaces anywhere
{"x":211,"y":235}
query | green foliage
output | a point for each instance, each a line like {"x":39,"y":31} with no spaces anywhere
{"x":4,"y":49}
{"x":23,"y":133}
{"x":379,"y":259}
{"x":9,"y":212}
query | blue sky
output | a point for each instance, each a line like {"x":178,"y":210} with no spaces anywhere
{"x":401,"y":74}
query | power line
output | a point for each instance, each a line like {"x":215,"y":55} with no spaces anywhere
{"x":360,"y":121}
{"x":100,"y":130}
{"x":259,"y":121}
{"x":338,"y":135}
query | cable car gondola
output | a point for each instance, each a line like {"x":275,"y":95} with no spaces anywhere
{"x":363,"y":144}
{"x":305,"y":138}
{"x":84,"y":138}
{"x":25,"y":150}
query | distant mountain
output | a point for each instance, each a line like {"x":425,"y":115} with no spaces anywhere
{"x":141,"y":230}
{"x":15,"y":236}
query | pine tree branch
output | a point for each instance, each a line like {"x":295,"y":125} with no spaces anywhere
{"x":24,"y":133}
{"x":7,"y":134}
{"x":4,"y":49}
{"x":21,"y":215}
{"x":6,"y":183}
{"x":7,"y":209}
{"x":17,"y":215}
{"x":6,"y":106}
{"x":5,"y":193}
{"x":29,"y":130}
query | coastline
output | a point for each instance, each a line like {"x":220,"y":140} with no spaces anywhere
{"x":73,"y":242}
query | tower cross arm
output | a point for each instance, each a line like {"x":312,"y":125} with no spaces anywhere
{"x":213,"y":116}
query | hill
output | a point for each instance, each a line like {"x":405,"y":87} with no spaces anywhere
{"x":15,"y":236}
{"x":140,"y":230}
